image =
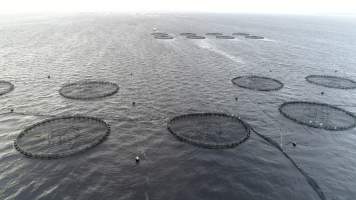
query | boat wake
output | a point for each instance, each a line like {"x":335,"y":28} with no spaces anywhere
{"x":213,"y":48}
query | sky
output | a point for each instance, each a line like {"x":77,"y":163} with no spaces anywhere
{"x":339,"y":7}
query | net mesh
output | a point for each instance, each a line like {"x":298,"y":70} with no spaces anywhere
{"x":318,"y":115}
{"x":61,"y":137}
{"x":86,"y":90}
{"x":258,"y":83}
{"x":209,"y":130}
{"x":331,"y":81}
{"x":5,"y":87}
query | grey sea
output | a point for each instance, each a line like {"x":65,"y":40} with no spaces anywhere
{"x":171,"y":77}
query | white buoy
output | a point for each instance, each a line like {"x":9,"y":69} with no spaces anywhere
{"x":137,"y":159}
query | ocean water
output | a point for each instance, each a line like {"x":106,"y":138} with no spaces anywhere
{"x":170,"y":78}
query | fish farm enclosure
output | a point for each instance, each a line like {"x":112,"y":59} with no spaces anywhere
{"x":159,"y":106}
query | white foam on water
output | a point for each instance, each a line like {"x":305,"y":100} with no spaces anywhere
{"x":207,"y":45}
{"x":268,"y":40}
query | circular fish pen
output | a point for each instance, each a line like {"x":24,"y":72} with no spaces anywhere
{"x":226,"y":37}
{"x":241,"y":34}
{"x":254,"y":37}
{"x":214,"y":34}
{"x":6,"y":87}
{"x":163,"y":37}
{"x":318,"y":115}
{"x":88,"y":90}
{"x":195,"y":37}
{"x":187,"y":34}
{"x":159,"y":34}
{"x":258,"y":83}
{"x":61,"y":137}
{"x":331,"y":81}
{"x":209,"y":130}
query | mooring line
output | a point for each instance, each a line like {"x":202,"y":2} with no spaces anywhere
{"x":308,"y":178}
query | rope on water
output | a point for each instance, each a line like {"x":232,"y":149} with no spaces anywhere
{"x":308,"y":178}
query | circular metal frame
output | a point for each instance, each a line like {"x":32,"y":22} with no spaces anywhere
{"x":203,"y":144}
{"x":62,"y":155}
{"x":254,"y":37}
{"x":214,"y":34}
{"x":226,"y":37}
{"x":187,"y":34}
{"x":9,"y":89}
{"x":241,"y":34}
{"x":89,"y":82}
{"x":260,"y":77}
{"x":331,"y":128}
{"x":195,"y":37}
{"x":163,"y":37}
{"x":159,"y":34}
{"x":310,"y":77}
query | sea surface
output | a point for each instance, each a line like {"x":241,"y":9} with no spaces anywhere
{"x":167,"y":78}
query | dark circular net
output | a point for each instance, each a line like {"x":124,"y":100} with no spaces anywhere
{"x":5,"y":87}
{"x":214,"y":34}
{"x":61,"y":137}
{"x":318,"y":115}
{"x":225,"y":37}
{"x":254,"y":37}
{"x":258,"y":83}
{"x":187,"y":34}
{"x":159,"y":34}
{"x":85,"y":90}
{"x":331,"y":81}
{"x":197,"y":37}
{"x":209,"y":130}
{"x":241,"y":34}
{"x":164,"y":37}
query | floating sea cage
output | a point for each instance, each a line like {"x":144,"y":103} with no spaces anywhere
{"x":214,"y":34}
{"x":258,"y":83}
{"x":228,"y":37}
{"x":88,"y":90}
{"x":164,"y":37}
{"x":196,"y":37}
{"x":187,"y":34}
{"x":318,"y":115}
{"x":209,"y":130}
{"x":331,"y":81}
{"x":6,"y":87}
{"x":254,"y":37}
{"x":61,"y":137}
{"x":241,"y":34}
{"x":159,"y":34}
